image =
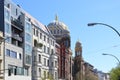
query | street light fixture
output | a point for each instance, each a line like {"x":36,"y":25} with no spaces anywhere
{"x":93,"y":24}
{"x":112,"y":56}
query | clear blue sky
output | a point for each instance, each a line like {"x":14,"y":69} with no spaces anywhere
{"x":76,"y":14}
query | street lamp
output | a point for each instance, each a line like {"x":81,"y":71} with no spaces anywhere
{"x":112,"y":56}
{"x":92,"y":24}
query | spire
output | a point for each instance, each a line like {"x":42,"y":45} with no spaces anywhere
{"x":56,"y":17}
{"x":78,"y":40}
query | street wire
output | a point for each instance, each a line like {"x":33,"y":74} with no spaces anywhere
{"x":114,"y":46}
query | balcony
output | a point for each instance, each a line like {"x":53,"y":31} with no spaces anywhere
{"x":17,"y":37}
{"x":17,"y":24}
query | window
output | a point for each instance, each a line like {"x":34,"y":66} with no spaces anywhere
{"x":52,"y":52}
{"x":44,"y":38}
{"x":34,"y":58}
{"x":39,"y":72}
{"x":52,"y":64}
{"x":53,"y":43}
{"x":48,"y":50}
{"x":55,"y":63}
{"x":44,"y":62}
{"x":61,"y":32}
{"x":7,"y":52}
{"x":8,"y":5}
{"x":7,"y":15}
{"x":28,"y":37}
{"x":26,"y":71}
{"x":48,"y":40}
{"x":34,"y":31}
{"x":37,"y":33}
{"x":12,"y":70}
{"x":44,"y":49}
{"x":57,"y":31}
{"x":28,"y":27}
{"x":48,"y":75}
{"x":13,"y":54}
{"x":55,"y":75}
{"x":16,"y":11}
{"x":47,"y":62}
{"x":44,"y":74}
{"x":28,"y":59}
{"x":20,"y":57}
{"x":7,"y":28}
{"x":51,"y":31}
{"x":28,"y":48}
{"x":39,"y":58}
{"x":40,"y":35}
{"x":8,"y":39}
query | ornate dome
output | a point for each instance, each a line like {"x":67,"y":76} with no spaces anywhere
{"x":58,"y":24}
{"x":78,"y":44}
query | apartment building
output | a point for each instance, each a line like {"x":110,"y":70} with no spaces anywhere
{"x":45,"y":64}
{"x":17,"y":47}
{"x":28,"y":45}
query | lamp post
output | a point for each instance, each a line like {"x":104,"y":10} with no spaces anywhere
{"x":93,"y":24}
{"x":112,"y":56}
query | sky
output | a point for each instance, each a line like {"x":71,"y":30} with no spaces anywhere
{"x":76,"y":14}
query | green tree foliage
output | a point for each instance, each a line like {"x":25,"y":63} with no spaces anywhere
{"x":49,"y":77}
{"x":115,"y":73}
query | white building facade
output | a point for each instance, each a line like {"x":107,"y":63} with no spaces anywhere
{"x":45,"y":64}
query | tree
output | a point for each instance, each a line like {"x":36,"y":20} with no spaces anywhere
{"x":50,"y":77}
{"x":115,"y":73}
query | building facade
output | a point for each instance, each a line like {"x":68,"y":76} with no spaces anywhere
{"x":1,"y":56}
{"x":17,"y":48}
{"x":82,"y":70}
{"x":103,"y":76}
{"x":62,"y":35}
{"x":78,"y":66}
{"x":45,"y":58}
{"x":28,"y":47}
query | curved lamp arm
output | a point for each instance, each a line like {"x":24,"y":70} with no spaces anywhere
{"x":92,"y":24}
{"x":112,"y":56}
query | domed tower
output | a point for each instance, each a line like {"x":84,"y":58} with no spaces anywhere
{"x":78,"y":49}
{"x":61,"y":32}
{"x":78,"y":62}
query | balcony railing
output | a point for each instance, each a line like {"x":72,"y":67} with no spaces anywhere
{"x":17,"y":37}
{"x":16,"y":23}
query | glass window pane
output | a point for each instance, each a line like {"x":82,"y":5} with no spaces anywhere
{"x":7,"y":28}
{"x":28,"y":48}
{"x":28,"y":27}
{"x":8,"y":39}
{"x":7,"y":52}
{"x":28,"y":37}
{"x":13,"y":54}
{"x":7,"y":15}
{"x":28,"y":59}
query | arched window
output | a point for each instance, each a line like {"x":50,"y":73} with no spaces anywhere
{"x":39,"y":72}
